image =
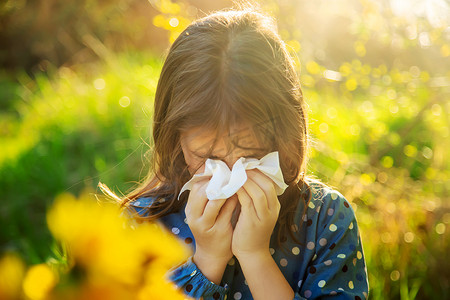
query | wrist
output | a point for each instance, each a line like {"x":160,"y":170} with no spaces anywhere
{"x":255,"y":256}
{"x":208,"y":258}
{"x":211,"y":266}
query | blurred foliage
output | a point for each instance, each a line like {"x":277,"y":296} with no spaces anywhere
{"x":103,"y":257}
{"x":69,"y":133}
{"x":36,"y":33}
{"x":377,"y":83}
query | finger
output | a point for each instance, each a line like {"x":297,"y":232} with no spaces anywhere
{"x":227,"y":210}
{"x":211,"y":211}
{"x":197,"y":199}
{"x":246,"y":202}
{"x":268,"y":186}
{"x":258,"y":198}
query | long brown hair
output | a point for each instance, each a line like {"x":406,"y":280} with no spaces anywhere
{"x":224,"y":68}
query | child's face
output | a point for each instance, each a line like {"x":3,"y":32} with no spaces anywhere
{"x":197,"y":142}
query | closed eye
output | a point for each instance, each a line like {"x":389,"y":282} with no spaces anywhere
{"x":252,"y":155}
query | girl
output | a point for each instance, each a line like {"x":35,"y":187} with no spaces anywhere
{"x":228,"y":89}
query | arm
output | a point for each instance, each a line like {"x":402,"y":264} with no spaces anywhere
{"x":211,"y":267}
{"x":259,"y":212}
{"x":210,"y":224}
{"x":264,"y":277}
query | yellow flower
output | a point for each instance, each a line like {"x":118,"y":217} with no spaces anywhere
{"x":110,"y":252}
{"x":12,"y":272}
{"x":158,"y":287}
{"x":38,"y":282}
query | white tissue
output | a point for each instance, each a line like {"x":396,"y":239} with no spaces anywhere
{"x":225,"y":183}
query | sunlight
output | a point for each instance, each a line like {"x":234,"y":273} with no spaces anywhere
{"x":436,"y":11}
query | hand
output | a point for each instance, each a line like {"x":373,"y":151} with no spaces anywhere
{"x":210,"y":223}
{"x":259,"y":213}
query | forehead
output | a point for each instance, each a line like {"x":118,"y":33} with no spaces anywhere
{"x":204,"y":134}
{"x":205,"y":139}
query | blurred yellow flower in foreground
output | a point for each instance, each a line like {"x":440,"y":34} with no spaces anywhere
{"x":108,"y":258}
{"x":12,"y":271}
{"x":38,"y":282}
{"x":112,"y":254}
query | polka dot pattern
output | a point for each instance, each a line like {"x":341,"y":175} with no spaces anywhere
{"x":359,"y":254}
{"x":333,"y":228}
{"x":325,"y":262}
{"x":350,"y":285}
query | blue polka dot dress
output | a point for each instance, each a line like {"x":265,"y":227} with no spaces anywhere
{"x":327,"y":263}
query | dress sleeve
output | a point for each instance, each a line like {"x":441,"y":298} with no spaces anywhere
{"x":337,"y":269}
{"x":194,"y":284}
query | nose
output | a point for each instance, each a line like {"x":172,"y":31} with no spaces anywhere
{"x":230,"y":160}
